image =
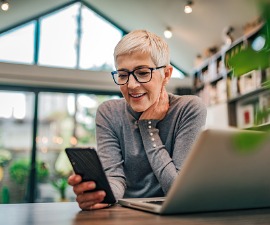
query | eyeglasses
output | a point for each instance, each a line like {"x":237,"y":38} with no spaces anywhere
{"x":141,"y":75}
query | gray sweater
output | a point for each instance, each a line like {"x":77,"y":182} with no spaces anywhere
{"x":143,"y":157}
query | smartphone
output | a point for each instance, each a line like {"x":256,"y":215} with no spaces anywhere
{"x":86,"y":163}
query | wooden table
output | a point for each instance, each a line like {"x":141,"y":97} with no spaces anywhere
{"x":70,"y":214}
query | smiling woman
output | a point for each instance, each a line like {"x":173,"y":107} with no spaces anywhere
{"x":148,"y":126}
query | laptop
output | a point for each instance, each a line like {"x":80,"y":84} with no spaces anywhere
{"x":225,"y":170}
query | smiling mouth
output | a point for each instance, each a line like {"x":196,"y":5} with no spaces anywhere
{"x":136,"y":96}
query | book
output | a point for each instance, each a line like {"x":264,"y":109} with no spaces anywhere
{"x":245,"y":116}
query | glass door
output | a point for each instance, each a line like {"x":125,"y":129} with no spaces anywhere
{"x":16,"y":125}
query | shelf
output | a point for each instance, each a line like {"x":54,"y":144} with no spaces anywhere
{"x":243,"y":94}
{"x":199,"y":88}
{"x":247,"y":36}
{"x":249,"y":94}
{"x":218,"y":78}
{"x":212,"y":82}
{"x":262,"y":127}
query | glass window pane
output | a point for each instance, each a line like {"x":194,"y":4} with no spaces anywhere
{"x":58,"y":37}
{"x":177,"y":73}
{"x":98,"y":40}
{"x":17,"y":45}
{"x":64,"y":120}
{"x":16,"y":121}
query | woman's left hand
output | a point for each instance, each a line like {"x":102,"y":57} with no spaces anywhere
{"x":159,"y":109}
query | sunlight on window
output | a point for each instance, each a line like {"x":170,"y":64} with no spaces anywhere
{"x":177,"y":73}
{"x":58,"y":38}
{"x":71,"y":104}
{"x":59,"y":41}
{"x":99,"y":38}
{"x":17,"y":45}
{"x":13,"y":105}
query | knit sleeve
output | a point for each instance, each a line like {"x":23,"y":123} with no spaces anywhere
{"x":109,"y":151}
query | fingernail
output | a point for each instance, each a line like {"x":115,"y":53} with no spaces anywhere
{"x":102,"y":194}
{"x":92,"y":185}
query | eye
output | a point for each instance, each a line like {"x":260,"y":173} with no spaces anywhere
{"x":122,"y":75}
{"x":143,"y":72}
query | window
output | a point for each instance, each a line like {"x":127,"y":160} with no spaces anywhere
{"x":17,"y":45}
{"x":16,"y":117}
{"x":177,"y":73}
{"x":64,"y":120}
{"x":98,"y":41}
{"x":58,"y":38}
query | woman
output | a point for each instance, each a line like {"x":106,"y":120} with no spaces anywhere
{"x":143,"y":139}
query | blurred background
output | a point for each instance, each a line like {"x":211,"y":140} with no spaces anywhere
{"x":55,"y":63}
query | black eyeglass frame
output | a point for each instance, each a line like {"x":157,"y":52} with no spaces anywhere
{"x":132,"y":72}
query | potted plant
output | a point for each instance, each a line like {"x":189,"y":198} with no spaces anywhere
{"x":5,"y":157}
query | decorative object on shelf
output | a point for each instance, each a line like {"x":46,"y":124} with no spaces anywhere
{"x":239,"y":76}
{"x":251,"y":26}
{"x":238,"y":56}
{"x":263,"y":112}
{"x":250,"y":81}
{"x":259,"y":43}
{"x":198,"y":61}
{"x":246,"y":116}
{"x":227,"y":38}
{"x":210,"y":51}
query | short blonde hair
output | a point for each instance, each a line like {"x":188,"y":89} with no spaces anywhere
{"x":145,"y":42}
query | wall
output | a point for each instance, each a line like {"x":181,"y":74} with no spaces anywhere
{"x":40,"y":76}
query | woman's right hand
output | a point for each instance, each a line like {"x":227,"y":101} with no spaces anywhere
{"x":87,"y":200}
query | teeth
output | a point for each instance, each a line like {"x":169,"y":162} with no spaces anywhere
{"x":137,"y":96}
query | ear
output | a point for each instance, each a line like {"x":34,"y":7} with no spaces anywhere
{"x":168,"y":73}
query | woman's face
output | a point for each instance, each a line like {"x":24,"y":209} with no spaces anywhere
{"x":140,"y":96}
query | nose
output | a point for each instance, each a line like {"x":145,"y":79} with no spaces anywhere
{"x":132,"y":83}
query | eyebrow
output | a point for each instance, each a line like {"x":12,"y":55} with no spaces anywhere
{"x":137,"y":67}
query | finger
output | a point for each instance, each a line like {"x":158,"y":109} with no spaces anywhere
{"x":163,"y":97}
{"x":89,"y":200}
{"x":94,"y":197}
{"x":100,"y":206}
{"x":74,"y":179}
{"x":83,"y":187}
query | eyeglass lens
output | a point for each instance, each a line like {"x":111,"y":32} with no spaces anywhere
{"x":142,"y":74}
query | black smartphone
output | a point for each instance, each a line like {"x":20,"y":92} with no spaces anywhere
{"x":86,"y":163}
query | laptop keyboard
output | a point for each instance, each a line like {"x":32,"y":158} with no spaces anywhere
{"x":155,"y":202}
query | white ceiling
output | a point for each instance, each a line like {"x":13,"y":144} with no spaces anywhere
{"x":192,"y":33}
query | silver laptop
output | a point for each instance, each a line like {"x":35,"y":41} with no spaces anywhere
{"x":225,"y":170}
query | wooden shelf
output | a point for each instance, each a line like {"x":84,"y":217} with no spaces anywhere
{"x":218,"y":78}
{"x":216,"y":83}
{"x":247,"y":95}
{"x":262,"y":127}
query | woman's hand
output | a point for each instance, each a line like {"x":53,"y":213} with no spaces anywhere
{"x":87,"y":200}
{"x":159,"y":109}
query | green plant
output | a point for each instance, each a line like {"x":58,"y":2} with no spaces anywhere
{"x":19,"y":170}
{"x":61,"y":185}
{"x":5,"y":195}
{"x":5,"y":157}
